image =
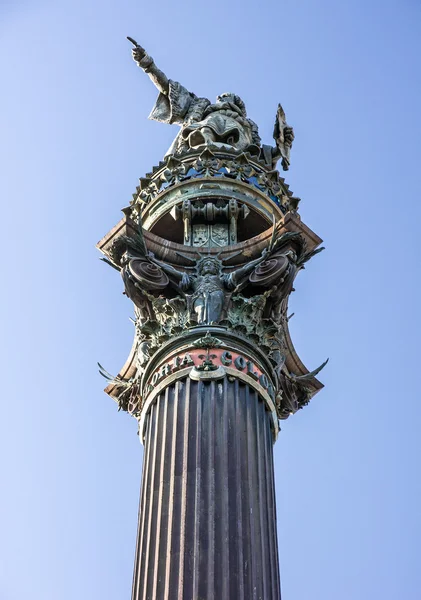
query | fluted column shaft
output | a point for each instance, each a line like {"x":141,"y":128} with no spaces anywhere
{"x":207,"y":518}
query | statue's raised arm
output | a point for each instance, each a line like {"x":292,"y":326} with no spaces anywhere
{"x":175,"y":104}
{"x":146,"y":62}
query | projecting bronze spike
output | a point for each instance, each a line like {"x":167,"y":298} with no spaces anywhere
{"x":309,"y":375}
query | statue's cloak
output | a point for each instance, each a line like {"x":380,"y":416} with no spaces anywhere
{"x":184,"y":108}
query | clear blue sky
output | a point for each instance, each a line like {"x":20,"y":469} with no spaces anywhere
{"x":74,"y":140}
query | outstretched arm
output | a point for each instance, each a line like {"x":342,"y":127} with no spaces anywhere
{"x":242,"y":272}
{"x":146,"y":62}
{"x":175,"y":273}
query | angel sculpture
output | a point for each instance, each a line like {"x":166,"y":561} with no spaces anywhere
{"x":222,"y":124}
{"x":209,"y":287}
{"x":205,"y":288}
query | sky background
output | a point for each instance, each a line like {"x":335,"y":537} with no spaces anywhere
{"x":74,"y":140}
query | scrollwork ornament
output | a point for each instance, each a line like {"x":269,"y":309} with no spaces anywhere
{"x":148,"y":275}
{"x":272,"y":270}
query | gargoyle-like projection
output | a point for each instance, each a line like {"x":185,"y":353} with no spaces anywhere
{"x":221,"y":124}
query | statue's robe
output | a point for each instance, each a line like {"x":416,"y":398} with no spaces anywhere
{"x":179,"y":107}
{"x":202,"y":122}
{"x":209,"y":295}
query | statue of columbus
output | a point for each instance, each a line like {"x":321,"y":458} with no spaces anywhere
{"x":222,"y":124}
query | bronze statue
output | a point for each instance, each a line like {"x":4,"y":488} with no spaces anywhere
{"x":222,"y":124}
{"x":208,"y":287}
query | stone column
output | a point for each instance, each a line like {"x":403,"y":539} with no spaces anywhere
{"x":207,"y":518}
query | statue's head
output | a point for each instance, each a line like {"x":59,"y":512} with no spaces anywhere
{"x":209,"y":266}
{"x":233,"y":99}
{"x":222,"y":124}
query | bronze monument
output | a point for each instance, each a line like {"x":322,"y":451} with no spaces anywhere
{"x":208,"y":251}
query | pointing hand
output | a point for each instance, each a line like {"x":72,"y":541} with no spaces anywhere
{"x":137,"y":51}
